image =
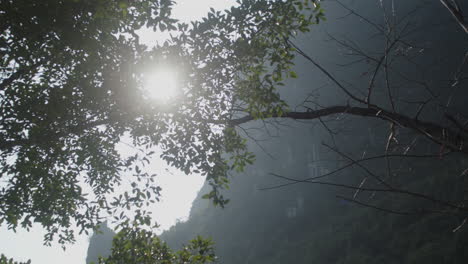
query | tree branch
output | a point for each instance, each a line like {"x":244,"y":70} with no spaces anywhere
{"x":454,"y":9}
{"x":439,"y":134}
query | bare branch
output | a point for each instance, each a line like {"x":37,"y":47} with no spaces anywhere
{"x":383,"y":190}
{"x":374,"y":207}
{"x":455,"y":10}
{"x":437,"y":133}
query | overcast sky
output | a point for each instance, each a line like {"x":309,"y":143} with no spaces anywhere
{"x":178,"y":192}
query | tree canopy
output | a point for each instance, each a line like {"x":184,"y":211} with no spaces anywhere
{"x":72,"y":87}
{"x":62,"y":109}
{"x":6,"y":260}
{"x":135,"y":245}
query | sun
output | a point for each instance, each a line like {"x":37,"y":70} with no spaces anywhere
{"x":161,"y":84}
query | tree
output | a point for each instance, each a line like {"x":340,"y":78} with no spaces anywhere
{"x":422,"y":67}
{"x":245,"y":88}
{"x":71,"y":87}
{"x":65,"y":67}
{"x":67,"y":99}
{"x":391,"y":86}
{"x":5,"y":260}
{"x":135,"y":245}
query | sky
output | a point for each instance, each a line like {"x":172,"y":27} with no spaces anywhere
{"x":178,"y":190}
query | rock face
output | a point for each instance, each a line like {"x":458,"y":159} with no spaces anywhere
{"x":100,"y":244}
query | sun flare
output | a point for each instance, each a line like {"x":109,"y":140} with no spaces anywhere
{"x":161,"y":84}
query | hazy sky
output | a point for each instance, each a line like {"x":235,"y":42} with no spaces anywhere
{"x":178,"y":192}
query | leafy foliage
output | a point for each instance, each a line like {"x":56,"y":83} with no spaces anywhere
{"x":234,"y":62}
{"x":65,"y":71}
{"x":5,"y":260}
{"x":71,"y":88}
{"x":136,"y":245}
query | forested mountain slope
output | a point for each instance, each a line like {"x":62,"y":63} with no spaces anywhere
{"x":327,"y":221}
{"x":307,"y":223}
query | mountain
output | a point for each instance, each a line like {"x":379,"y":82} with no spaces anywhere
{"x":100,"y":244}
{"x":271,"y":219}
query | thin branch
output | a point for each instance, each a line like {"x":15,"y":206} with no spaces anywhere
{"x":353,"y":163}
{"x":351,"y":11}
{"x":373,"y":206}
{"x":373,"y":175}
{"x":459,"y":226}
{"x":397,"y":191}
{"x":455,"y":10}
{"x":328,"y":74}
